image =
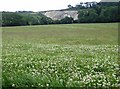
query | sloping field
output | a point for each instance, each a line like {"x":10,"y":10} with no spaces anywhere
{"x":75,"y":55}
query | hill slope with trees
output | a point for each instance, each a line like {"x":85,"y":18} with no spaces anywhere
{"x":88,"y":12}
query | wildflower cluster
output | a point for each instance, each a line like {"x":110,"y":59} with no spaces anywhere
{"x":52,"y":65}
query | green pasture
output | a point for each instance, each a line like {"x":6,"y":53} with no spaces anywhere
{"x":66,"y":55}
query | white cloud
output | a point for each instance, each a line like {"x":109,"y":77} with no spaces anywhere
{"x":37,"y":5}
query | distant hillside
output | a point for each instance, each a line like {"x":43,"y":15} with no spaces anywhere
{"x":73,"y":11}
{"x":58,"y":14}
{"x":24,"y":18}
{"x":89,"y":12}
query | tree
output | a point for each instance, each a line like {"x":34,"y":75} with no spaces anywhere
{"x":18,"y":19}
{"x":109,"y":14}
{"x":87,"y":16}
{"x":70,"y":6}
{"x":12,"y":19}
{"x":67,"y":20}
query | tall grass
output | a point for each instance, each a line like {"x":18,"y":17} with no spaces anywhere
{"x":75,"y":55}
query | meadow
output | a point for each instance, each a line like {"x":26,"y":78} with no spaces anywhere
{"x":72,"y":55}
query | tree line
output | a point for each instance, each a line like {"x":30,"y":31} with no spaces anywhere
{"x":89,"y":12}
{"x":20,"y":19}
{"x":93,"y":12}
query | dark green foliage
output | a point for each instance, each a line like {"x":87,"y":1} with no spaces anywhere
{"x":36,"y":19}
{"x":12,"y":19}
{"x":91,"y":12}
{"x":67,"y":20}
{"x":18,"y":18}
{"x":87,"y":16}
{"x":99,"y":14}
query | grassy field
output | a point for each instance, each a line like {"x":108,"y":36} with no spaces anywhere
{"x":76,"y":55}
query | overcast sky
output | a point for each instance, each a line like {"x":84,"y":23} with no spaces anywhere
{"x":37,"y":5}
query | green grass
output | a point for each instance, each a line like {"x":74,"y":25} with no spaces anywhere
{"x":73,"y":55}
